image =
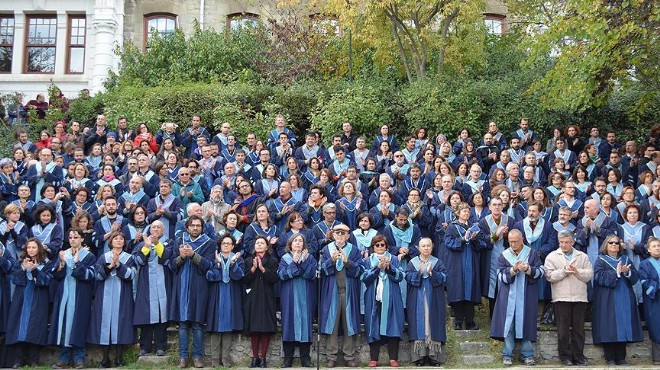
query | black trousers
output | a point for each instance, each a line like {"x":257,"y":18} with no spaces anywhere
{"x":154,"y":333}
{"x":21,"y":349}
{"x":290,"y":347}
{"x":614,"y":351}
{"x":392,"y":348}
{"x":569,"y":317}
{"x":464,"y":311}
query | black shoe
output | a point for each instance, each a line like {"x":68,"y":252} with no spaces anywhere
{"x":120,"y":362}
{"x":17,"y":365}
{"x":581,"y":362}
{"x":306,"y":362}
{"x":458,"y":325}
{"x":567,"y":363}
{"x":160,"y":353}
{"x":256,"y":362}
{"x":420,"y":362}
{"x":105,"y":364}
{"x":263,"y":363}
{"x":143,"y":352}
{"x":472,"y":326}
{"x":611,"y":363}
{"x":432,"y":362}
{"x":288,"y":362}
{"x":622,"y":362}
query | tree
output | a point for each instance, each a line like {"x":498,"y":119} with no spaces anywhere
{"x":416,"y":33}
{"x":596,"y":46}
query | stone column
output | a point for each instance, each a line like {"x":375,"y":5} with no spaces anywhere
{"x":108,"y":28}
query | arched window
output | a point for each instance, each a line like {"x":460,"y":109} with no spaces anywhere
{"x":239,"y":21}
{"x":161,"y":24}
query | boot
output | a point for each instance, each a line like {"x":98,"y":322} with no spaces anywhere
{"x":288,"y":362}
{"x":256,"y":362}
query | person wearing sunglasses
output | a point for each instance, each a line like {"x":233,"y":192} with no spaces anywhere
{"x":616,"y":321}
{"x":383,"y":302}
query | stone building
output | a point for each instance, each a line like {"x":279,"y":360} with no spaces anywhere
{"x":72,"y":42}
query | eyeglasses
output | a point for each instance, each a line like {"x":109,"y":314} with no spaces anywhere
{"x":340,"y":232}
{"x":399,"y":155}
{"x":184,"y":174}
{"x":195,"y":225}
{"x":379,"y":244}
{"x":612,"y":242}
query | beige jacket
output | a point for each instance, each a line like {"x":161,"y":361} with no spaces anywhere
{"x":568,"y":287}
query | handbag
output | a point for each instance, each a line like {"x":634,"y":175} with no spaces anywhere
{"x":548,"y":315}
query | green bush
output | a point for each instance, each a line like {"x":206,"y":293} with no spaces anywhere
{"x":366,"y":106}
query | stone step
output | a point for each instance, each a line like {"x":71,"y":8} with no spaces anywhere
{"x":475,"y":348}
{"x":478,"y":359}
{"x":469,"y":335}
{"x":154,"y":361}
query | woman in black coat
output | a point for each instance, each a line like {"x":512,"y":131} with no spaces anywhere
{"x":260,"y":279}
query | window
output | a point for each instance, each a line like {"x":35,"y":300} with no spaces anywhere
{"x":40,"y":46}
{"x":76,"y":52}
{"x":495,"y":25}
{"x":162,"y":25}
{"x":6,"y":42}
{"x":239,"y":21}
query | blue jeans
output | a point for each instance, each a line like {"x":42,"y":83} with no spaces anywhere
{"x":77,"y":352}
{"x":198,"y":339}
{"x":526,"y":346}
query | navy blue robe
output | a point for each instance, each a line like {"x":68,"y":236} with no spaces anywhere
{"x":430,"y":289}
{"x":491,"y":249}
{"x":350,"y":210}
{"x":386,"y":318}
{"x":225,"y":311}
{"x":329,"y":294}
{"x":297,"y":297}
{"x":649,"y":274}
{"x":615,"y":314}
{"x":190,"y":289}
{"x":154,"y":281}
{"x":542,"y":244}
{"x":463,"y":281}
{"x":112,"y":310}
{"x":253,"y":231}
{"x":29,"y":306}
{"x":73,"y":301}
{"x":517,"y":298}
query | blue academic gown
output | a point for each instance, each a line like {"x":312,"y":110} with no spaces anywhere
{"x":589,"y":240}
{"x":190,"y":289}
{"x":6,"y":266}
{"x":615,"y":314}
{"x":387,"y":318}
{"x":490,"y":252}
{"x":29,"y":305}
{"x":112,"y":310}
{"x":517,"y":298}
{"x":73,"y":301}
{"x":424,"y":289}
{"x":649,"y":274}
{"x":50,"y":235}
{"x":225,"y":311}
{"x":253,"y":231}
{"x":297,"y":297}
{"x":312,"y":243}
{"x":543,"y":240}
{"x":351,"y":209}
{"x":329,"y":294}
{"x":154,"y":280}
{"x":463,"y":280}
{"x":169,"y":218}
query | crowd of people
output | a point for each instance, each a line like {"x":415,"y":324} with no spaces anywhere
{"x":107,"y":233}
